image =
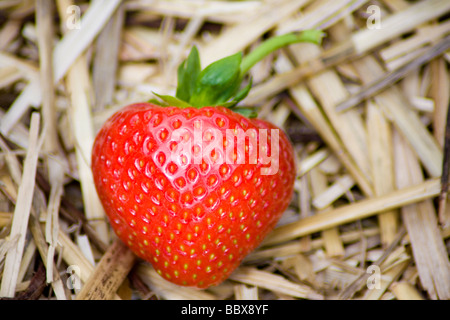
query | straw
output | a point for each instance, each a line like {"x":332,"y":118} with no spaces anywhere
{"x":366,"y":111}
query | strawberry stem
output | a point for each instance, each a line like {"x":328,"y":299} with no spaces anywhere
{"x":275,"y":43}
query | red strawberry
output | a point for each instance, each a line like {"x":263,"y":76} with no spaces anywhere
{"x":194,"y":222}
{"x":175,"y":190}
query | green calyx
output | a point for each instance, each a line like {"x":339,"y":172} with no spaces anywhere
{"x":220,"y":82}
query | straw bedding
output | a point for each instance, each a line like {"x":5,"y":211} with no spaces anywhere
{"x":366,"y":112}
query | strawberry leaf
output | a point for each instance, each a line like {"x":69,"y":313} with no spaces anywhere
{"x":157,"y":102}
{"x":247,"y":112}
{"x":188,"y":72}
{"x":239,"y":96}
{"x":217,"y":82}
{"x":172,"y":101}
{"x":220,"y":82}
{"x":244,"y":92}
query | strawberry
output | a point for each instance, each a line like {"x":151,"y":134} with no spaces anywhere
{"x":193,"y":184}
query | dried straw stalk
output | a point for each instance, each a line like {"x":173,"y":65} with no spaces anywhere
{"x":109,"y":274}
{"x":21,"y":212}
